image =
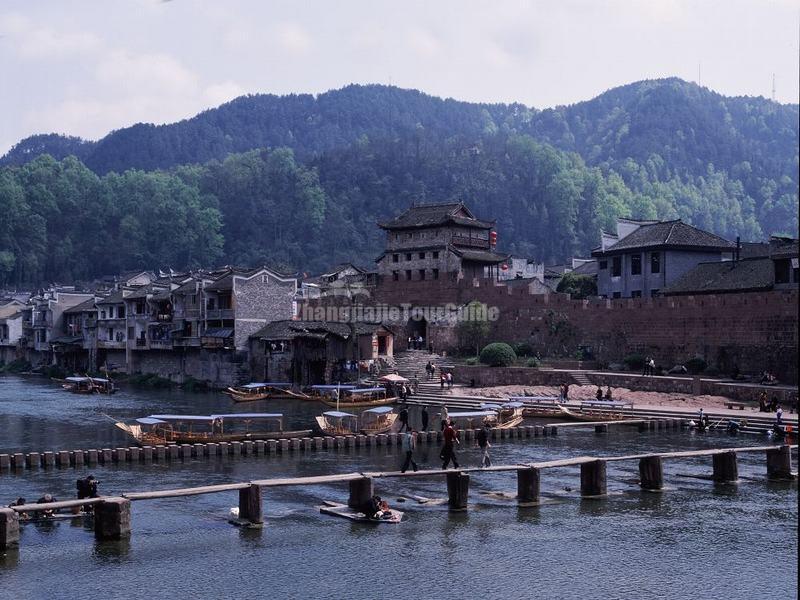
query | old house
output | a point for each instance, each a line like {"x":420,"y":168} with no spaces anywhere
{"x":318,"y":352}
{"x":433,"y":241}
{"x":644,"y":257}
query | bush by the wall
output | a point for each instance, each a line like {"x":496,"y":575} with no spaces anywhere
{"x":634,"y":362}
{"x":532,"y":362}
{"x":695,"y":365}
{"x":498,"y":354}
{"x":523,"y":349}
{"x":472,"y":361}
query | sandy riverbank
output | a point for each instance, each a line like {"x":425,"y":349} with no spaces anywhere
{"x":587,"y":392}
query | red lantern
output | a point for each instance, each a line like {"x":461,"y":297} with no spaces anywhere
{"x":493,"y":238}
{"x":504,"y":267}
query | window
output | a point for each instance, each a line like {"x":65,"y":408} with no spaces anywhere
{"x":436,"y":254}
{"x":422,"y":256}
{"x":408,"y":274}
{"x":616,"y":266}
{"x":102,"y":314}
{"x":782,"y":270}
{"x":636,"y":294}
{"x":603,"y":265}
{"x":395,"y":275}
{"x":653,"y":293}
{"x":655,"y":262}
{"x":408,"y":256}
{"x":636,"y":264}
{"x":616,"y":295}
{"x":395,"y":258}
{"x":436,"y":273}
{"x":422,"y":274}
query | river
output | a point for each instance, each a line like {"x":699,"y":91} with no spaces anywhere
{"x":694,"y":539}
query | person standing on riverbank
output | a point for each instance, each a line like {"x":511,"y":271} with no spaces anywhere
{"x":403,"y":418}
{"x":424,"y":417}
{"x":448,"y":450}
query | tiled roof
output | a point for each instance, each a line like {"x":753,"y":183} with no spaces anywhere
{"x":115,"y":298}
{"x":587,"y":268}
{"x":87,"y":306}
{"x":727,"y":276}
{"x":666,"y":234}
{"x":484,"y":256}
{"x":783,"y":247}
{"x":429,"y":215}
{"x":287,"y":330}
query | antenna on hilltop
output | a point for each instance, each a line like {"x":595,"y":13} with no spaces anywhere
{"x":698,"y":73}
{"x":773,"y":87}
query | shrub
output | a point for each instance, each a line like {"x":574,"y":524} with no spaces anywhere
{"x":194,"y":385}
{"x":20,"y":365}
{"x":634,"y":362}
{"x":472,"y":361}
{"x":532,"y":362}
{"x":498,"y":354}
{"x":523,"y":349}
{"x":695,"y":365}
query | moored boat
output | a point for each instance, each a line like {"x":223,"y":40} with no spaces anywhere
{"x":88,"y":385}
{"x":608,"y":415}
{"x":350,"y":396}
{"x":190,"y":429}
{"x":380,"y":419}
{"x":251,"y":392}
{"x":337,"y":422}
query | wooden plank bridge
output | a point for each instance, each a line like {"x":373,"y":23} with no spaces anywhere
{"x":112,"y":517}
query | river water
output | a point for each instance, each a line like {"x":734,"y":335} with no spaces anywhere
{"x":695,"y":539}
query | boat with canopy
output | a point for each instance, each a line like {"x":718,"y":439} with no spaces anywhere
{"x":509,"y":414}
{"x":380,"y":419}
{"x":337,"y":422}
{"x":189,"y":429}
{"x":88,"y":385}
{"x":266,"y":390}
{"x":354,"y":397}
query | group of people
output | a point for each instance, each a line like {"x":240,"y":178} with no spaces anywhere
{"x":86,"y":488}
{"x":417,"y":342}
{"x":649,"y":366}
{"x":406,"y":390}
{"x":767,"y":378}
{"x":600,"y":396}
{"x":765,"y":405}
{"x":563,"y":392}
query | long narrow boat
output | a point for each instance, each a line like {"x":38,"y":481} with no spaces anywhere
{"x":354,"y":397}
{"x":380,"y":419}
{"x":542,"y":407}
{"x":88,"y":385}
{"x":190,"y":429}
{"x":609,"y":415}
{"x":508,"y":414}
{"x":250,"y":392}
{"x":337,"y":422}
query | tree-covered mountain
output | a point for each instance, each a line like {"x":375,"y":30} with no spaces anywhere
{"x":299,"y":182}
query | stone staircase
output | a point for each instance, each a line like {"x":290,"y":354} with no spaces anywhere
{"x":580,"y":378}
{"x":411,"y":364}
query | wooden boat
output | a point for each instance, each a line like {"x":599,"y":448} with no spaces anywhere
{"x":342,"y":510}
{"x":380,"y":419}
{"x":473,"y":419}
{"x":336,"y":422}
{"x":251,"y":392}
{"x":353,"y":397}
{"x":88,"y":385}
{"x":541,"y":407}
{"x":508,"y":414}
{"x":601,"y":415}
{"x":190,"y":429}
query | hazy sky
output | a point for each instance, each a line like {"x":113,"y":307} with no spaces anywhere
{"x":86,"y":67}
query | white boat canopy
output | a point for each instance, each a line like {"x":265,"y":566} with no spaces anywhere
{"x":338,"y":414}
{"x":379,"y":410}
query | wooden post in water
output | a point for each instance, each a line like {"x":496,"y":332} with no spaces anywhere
{"x":528,"y":485}
{"x":361,"y":490}
{"x":250,"y":508}
{"x":457,"y":490}
{"x":779,"y":463}
{"x":601,"y":428}
{"x":593,"y":478}
{"x":651,"y":473}
{"x":112,"y":519}
{"x":77,"y":457}
{"x":725,"y":468}
{"x":9,"y":528}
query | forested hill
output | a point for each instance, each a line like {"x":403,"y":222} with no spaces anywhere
{"x":299,"y":181}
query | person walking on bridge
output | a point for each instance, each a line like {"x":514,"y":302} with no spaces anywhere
{"x":409,"y":444}
{"x":448,"y":450}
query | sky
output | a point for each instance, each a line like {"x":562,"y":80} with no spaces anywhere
{"x":84,"y":68}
